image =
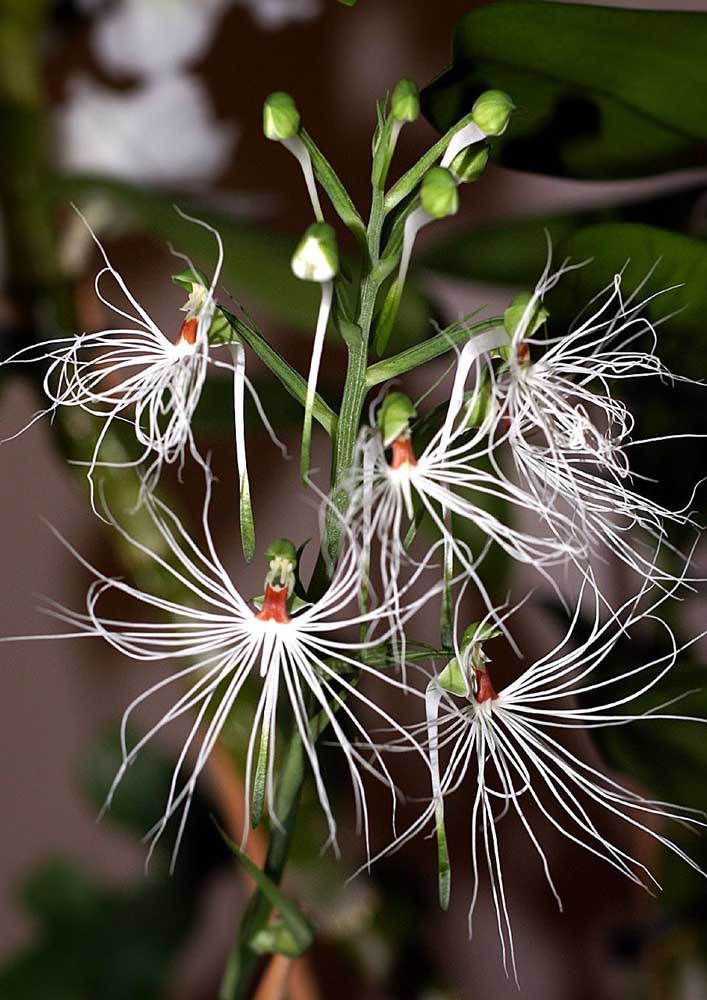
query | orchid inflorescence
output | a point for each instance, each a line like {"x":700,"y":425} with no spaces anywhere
{"x":527,"y":456}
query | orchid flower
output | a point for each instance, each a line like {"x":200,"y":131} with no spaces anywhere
{"x":510,"y":738}
{"x":443,"y":479}
{"x":219,"y":642}
{"x":139,"y":375}
{"x":552,"y":404}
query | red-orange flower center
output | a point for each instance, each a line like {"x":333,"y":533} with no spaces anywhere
{"x":188,"y":331}
{"x":274,"y":607}
{"x":523,"y":353}
{"x":485,"y":690}
{"x":402,"y":453}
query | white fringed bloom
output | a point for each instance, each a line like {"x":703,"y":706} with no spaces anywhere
{"x":139,"y":375}
{"x":219,"y":642}
{"x":568,"y":435}
{"x":509,"y":739}
{"x":444,"y":480}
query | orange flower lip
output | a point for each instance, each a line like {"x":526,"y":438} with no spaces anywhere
{"x":274,"y":606}
{"x":485,"y":690}
{"x":187,"y":334}
{"x":402,"y":453}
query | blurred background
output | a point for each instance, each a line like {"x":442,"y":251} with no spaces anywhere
{"x":125,"y":108}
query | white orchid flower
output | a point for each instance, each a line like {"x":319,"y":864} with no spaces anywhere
{"x":219,"y":642}
{"x":510,"y":740}
{"x":568,"y":434}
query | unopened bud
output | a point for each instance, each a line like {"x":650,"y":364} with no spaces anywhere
{"x":470,"y":164}
{"x":492,"y":111}
{"x":394,"y":416}
{"x":317,"y":257}
{"x":405,"y":102}
{"x":280,"y":117}
{"x":439,"y":194}
{"x":535,"y":315}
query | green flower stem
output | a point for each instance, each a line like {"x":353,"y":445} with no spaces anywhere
{"x":243,"y":962}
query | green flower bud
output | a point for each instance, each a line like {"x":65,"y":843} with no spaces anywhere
{"x":516,"y":310}
{"x":439,"y":194}
{"x":405,"y":102}
{"x":394,"y":416}
{"x":280,"y":117}
{"x":470,"y":164}
{"x":492,"y":111}
{"x":317,"y":257}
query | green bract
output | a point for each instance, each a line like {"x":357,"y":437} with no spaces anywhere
{"x":394,"y":416}
{"x":492,"y":111}
{"x":439,"y":194}
{"x":469,"y":165}
{"x":317,"y":257}
{"x":405,"y":102}
{"x":280,"y":116}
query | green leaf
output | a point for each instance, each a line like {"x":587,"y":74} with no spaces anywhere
{"x":295,"y":384}
{"x":514,"y":252}
{"x":300,"y":931}
{"x":601,"y":91}
{"x":429,"y":349}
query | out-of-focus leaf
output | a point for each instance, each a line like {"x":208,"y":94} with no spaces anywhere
{"x":601,"y":91}
{"x":514,"y":252}
{"x":300,"y":932}
{"x":116,"y":943}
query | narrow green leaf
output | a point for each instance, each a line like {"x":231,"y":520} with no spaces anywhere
{"x":259,"y":780}
{"x":338,"y":195}
{"x":297,"y":925}
{"x":514,"y":252}
{"x":603,"y":91}
{"x":420,"y":354}
{"x":290,"y":379}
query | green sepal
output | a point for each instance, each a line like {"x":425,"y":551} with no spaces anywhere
{"x":453,"y":680}
{"x":516,"y":310}
{"x":246,"y":521}
{"x":476,"y":632}
{"x":394,"y":416}
{"x":298,"y":926}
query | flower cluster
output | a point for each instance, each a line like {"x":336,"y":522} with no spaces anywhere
{"x":526,"y":458}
